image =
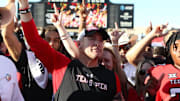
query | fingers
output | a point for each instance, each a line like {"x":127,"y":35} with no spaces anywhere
{"x":150,"y":24}
{"x":54,"y":18}
{"x":11,"y":0}
{"x":55,"y":9}
{"x":163,"y":26}
{"x":116,"y":26}
{"x":83,"y":3}
{"x":61,"y":16}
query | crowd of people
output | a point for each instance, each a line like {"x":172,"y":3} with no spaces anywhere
{"x":97,"y":66}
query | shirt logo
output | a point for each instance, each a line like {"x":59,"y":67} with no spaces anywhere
{"x":83,"y":79}
{"x":172,"y":76}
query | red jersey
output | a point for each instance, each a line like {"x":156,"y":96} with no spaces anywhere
{"x":170,"y":84}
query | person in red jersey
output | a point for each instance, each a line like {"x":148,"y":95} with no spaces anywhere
{"x":166,"y":87}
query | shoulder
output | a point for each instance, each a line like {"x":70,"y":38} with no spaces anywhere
{"x":6,"y":63}
{"x":162,"y":67}
{"x":8,"y":69}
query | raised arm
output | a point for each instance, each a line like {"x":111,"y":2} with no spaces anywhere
{"x":40,"y":47}
{"x":11,"y":41}
{"x":134,"y":53}
{"x":65,"y":37}
{"x":115,"y":35}
{"x":83,"y":15}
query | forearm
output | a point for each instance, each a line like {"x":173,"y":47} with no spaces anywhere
{"x":12,"y":43}
{"x":118,"y":69}
{"x":134,"y":53}
{"x":68,"y":43}
{"x":116,"y":51}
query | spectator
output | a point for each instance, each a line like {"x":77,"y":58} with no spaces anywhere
{"x":80,"y":79}
{"x":50,"y":34}
{"x":141,"y":74}
{"x":9,"y":89}
{"x":124,"y":45}
{"x":35,"y":82}
{"x":166,"y":75}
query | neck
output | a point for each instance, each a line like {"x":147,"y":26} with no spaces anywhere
{"x":87,"y":61}
{"x":177,"y":66}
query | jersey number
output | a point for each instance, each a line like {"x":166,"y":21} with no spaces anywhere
{"x":174,"y":91}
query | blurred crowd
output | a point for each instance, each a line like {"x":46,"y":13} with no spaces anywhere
{"x":98,"y":65}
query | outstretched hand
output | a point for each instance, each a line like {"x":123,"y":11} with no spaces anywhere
{"x":159,"y":30}
{"x":11,"y":0}
{"x":149,"y":28}
{"x":57,"y":17}
{"x":83,"y":10}
{"x":115,"y":35}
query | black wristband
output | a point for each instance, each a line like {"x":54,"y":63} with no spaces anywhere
{"x":25,"y":11}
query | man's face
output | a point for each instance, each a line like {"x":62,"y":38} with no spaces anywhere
{"x":53,"y":39}
{"x":175,"y":52}
{"x":92,"y":46}
{"x":123,"y":49}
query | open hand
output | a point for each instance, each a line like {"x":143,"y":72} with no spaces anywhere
{"x":57,"y":17}
{"x":159,"y":30}
{"x":83,"y":10}
{"x":115,"y":35}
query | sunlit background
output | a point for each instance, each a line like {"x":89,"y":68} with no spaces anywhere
{"x":157,"y":11}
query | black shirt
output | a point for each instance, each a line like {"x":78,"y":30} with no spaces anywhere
{"x":86,"y":84}
{"x":30,"y":89}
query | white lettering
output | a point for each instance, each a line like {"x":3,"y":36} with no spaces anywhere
{"x":175,"y":81}
{"x":78,"y":77}
{"x":126,"y":16}
{"x":83,"y":79}
{"x":171,"y":82}
{"x":128,"y":7}
{"x":172,"y":76}
{"x":174,"y":91}
{"x":103,"y":86}
{"x":125,"y":24}
{"x":90,"y":82}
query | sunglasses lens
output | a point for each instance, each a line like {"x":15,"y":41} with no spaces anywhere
{"x":124,"y":47}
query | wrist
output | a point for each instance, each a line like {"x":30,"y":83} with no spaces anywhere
{"x":153,"y":35}
{"x":82,"y":19}
{"x":24,"y":6}
{"x":114,"y":41}
{"x":65,"y":36}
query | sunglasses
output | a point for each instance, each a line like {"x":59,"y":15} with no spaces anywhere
{"x":125,"y":47}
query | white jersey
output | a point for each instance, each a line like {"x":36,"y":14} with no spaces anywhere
{"x":130,"y":71}
{"x":9,"y":89}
